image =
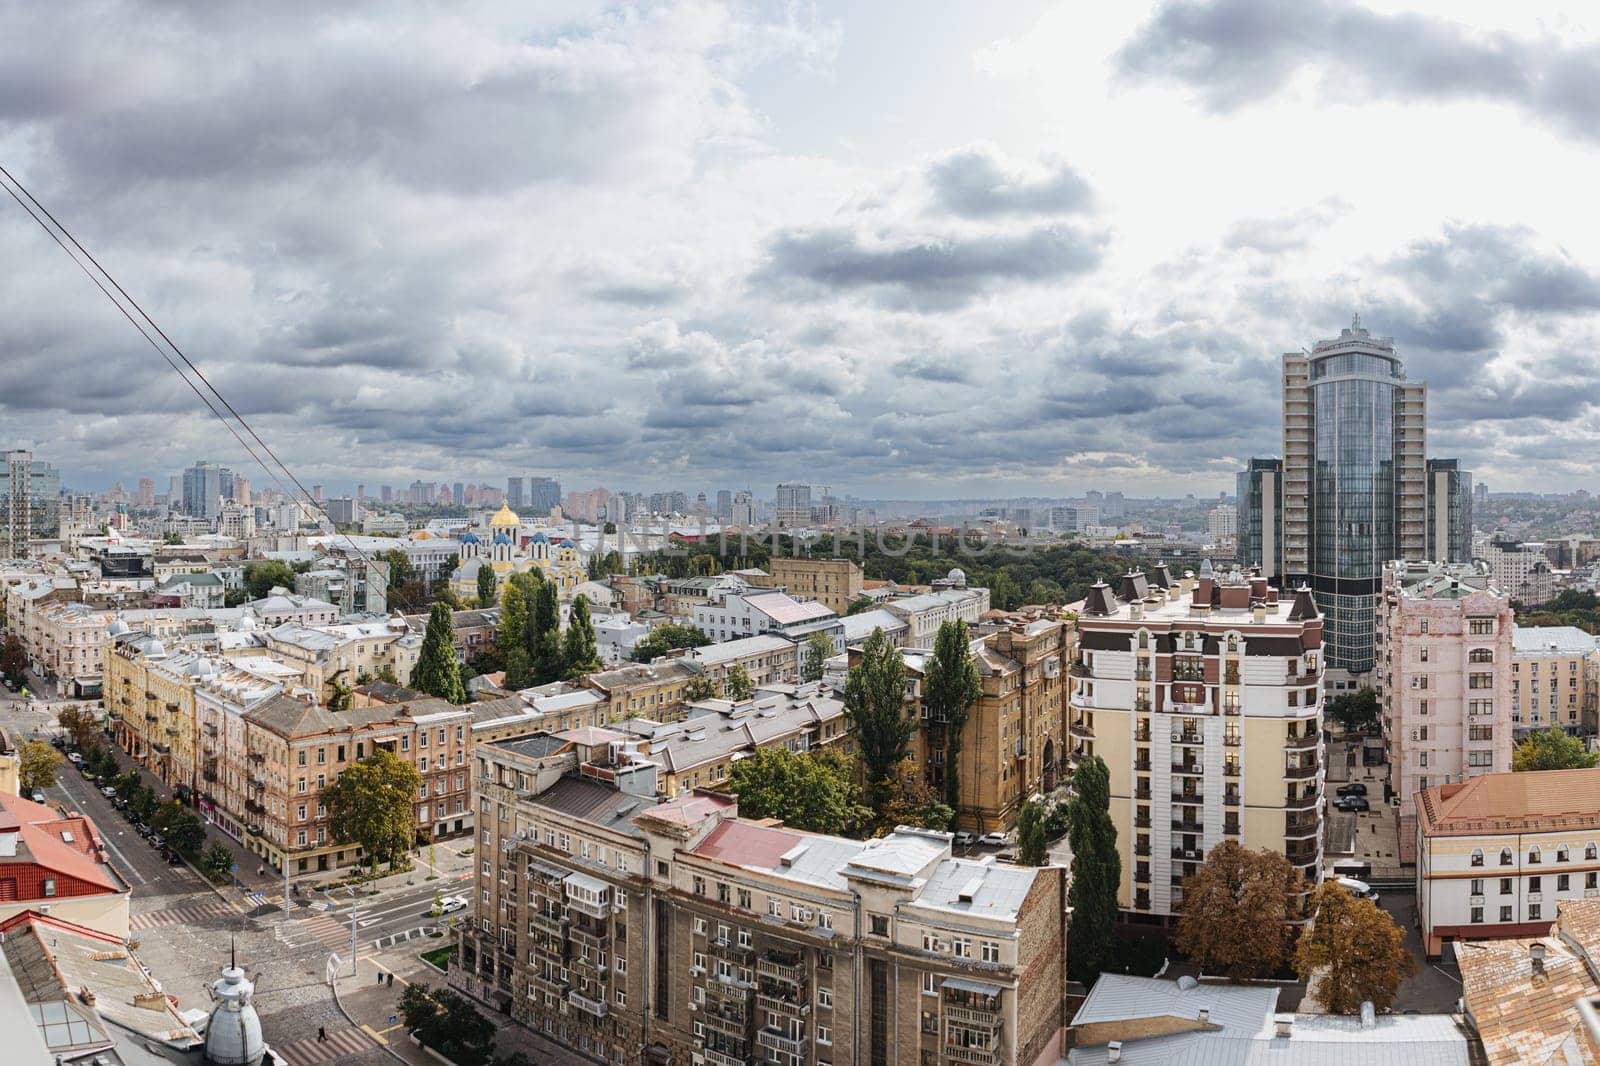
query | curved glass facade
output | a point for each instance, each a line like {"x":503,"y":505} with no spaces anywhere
{"x":1353,"y":496}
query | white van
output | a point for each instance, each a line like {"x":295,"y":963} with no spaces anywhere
{"x":1358,"y":889}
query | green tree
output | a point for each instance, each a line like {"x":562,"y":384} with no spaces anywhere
{"x":179,"y":826}
{"x":738,"y":686}
{"x":437,"y":672}
{"x":38,"y":765}
{"x":950,"y":685}
{"x":485,"y":584}
{"x":579,"y":652}
{"x":264,"y":575}
{"x":819,"y":649}
{"x":13,"y":660}
{"x":127,"y":785}
{"x":448,"y":1023}
{"x":519,"y":670}
{"x":172,"y":538}
{"x":372,"y":804}
{"x":666,"y":637}
{"x":1004,"y":592}
{"x":445,"y":593}
{"x":816,"y":792}
{"x":544,"y":635}
{"x":1552,"y":749}
{"x":875,"y":701}
{"x":698,"y":688}
{"x":1045,"y":591}
{"x":1096,"y":871}
{"x":1356,"y":710}
{"x":906,"y":798}
{"x":1032,"y":848}
{"x":1236,"y":910}
{"x":143,"y":804}
{"x":80,"y":724}
{"x":512,"y":635}
{"x":859,"y":604}
{"x":216,"y":861}
{"x":340,"y":694}
{"x":1358,"y":950}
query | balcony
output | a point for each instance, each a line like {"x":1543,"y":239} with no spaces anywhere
{"x":1301,"y":742}
{"x":1303,"y":854}
{"x":1230,"y":740}
{"x":584,"y":935}
{"x":587,"y":968}
{"x":979,"y":1055}
{"x":257,"y":757}
{"x":1230,"y":769}
{"x":1079,"y":669}
{"x":211,"y":730}
{"x":1142,"y":850}
{"x":724,"y":1024}
{"x":1142,"y":766}
{"x":1230,"y":708}
{"x":1296,"y":773}
{"x":1192,"y":798}
{"x":1295,"y":825}
{"x":773,"y":1040}
{"x":784,"y":967}
{"x":1307,"y":802}
{"x":731,"y":950}
{"x":595,"y":1007}
{"x":548,"y":924}
{"x":1188,"y":854}
{"x":1188,"y":767}
{"x":151,"y":716}
{"x":601,"y":909}
{"x":162,"y":749}
{"x":1187,"y":737}
{"x":1081,"y":728}
{"x":781,"y":1005}
{"x":975,"y":1018}
{"x":545,"y":984}
{"x":1180,"y":826}
{"x":730,"y":988}
{"x":1142,"y":792}
{"x":1142,"y":733}
{"x":722,"y":1058}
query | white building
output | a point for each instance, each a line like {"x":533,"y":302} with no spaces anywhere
{"x":924,"y":614}
{"x":1222,"y":523}
{"x":730,"y":616}
{"x":1521,"y":569}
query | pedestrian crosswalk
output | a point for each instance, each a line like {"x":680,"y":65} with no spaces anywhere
{"x":198,"y":911}
{"x":340,"y":1042}
{"x":257,"y":899}
{"x":323,"y":929}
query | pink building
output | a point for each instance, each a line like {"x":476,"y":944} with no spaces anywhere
{"x":1443,"y":677}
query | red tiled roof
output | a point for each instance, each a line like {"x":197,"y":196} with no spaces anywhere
{"x":748,"y":845}
{"x":1512,"y":802}
{"x":43,"y":845}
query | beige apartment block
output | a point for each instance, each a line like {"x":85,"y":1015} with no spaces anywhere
{"x":638,"y":931}
{"x":1550,"y":679}
{"x":1206,"y":706}
{"x":1443,"y":677}
{"x":834,"y":583}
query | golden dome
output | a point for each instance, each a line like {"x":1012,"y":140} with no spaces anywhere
{"x":505,"y":518}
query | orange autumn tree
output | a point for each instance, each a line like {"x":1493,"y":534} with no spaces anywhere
{"x":1359,"y":949}
{"x":1235,"y":912}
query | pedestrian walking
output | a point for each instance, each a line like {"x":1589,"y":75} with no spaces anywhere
{"x":380,"y":977}
{"x":391,"y":980}
{"x":322,"y":1035}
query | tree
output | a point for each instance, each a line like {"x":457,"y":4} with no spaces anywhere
{"x":143,"y":803}
{"x":216,"y":860}
{"x":906,"y":798}
{"x":127,"y":785}
{"x":1552,"y":749}
{"x":445,"y":593}
{"x":579,"y":653}
{"x":179,"y":826}
{"x":698,"y":688}
{"x":38,"y":770}
{"x":448,"y":1023}
{"x":949,"y":686}
{"x":1356,"y":710}
{"x":1045,"y":591}
{"x":1236,"y":912}
{"x":1096,"y":871}
{"x":738,"y":686}
{"x":264,"y":575}
{"x":666,"y":637}
{"x":1032,"y":848}
{"x":819,"y":649}
{"x":1359,"y":949}
{"x":512,"y":636}
{"x":80,"y":724}
{"x":172,"y":538}
{"x":13,"y":660}
{"x":859,"y":604}
{"x":339,"y":698}
{"x":875,"y":701}
{"x":371,"y":804}
{"x":816,"y":792}
{"x":485,"y":584}
{"x":437,"y":672}
{"x":1004,"y":593}
{"x":544,"y":635}
{"x":519,"y":671}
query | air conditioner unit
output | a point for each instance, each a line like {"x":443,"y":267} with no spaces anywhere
{"x":1413,"y":734}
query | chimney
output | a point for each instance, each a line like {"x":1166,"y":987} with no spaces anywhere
{"x":1114,"y":1051}
{"x":1205,"y":1015}
{"x":1282,"y":1024}
{"x":1536,"y":956}
{"x":1369,"y":1015}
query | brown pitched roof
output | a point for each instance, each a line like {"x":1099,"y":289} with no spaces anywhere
{"x":1512,"y":802}
{"x":1523,"y":1014}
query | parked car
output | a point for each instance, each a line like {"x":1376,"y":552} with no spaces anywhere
{"x":38,"y":797}
{"x":995,"y":840}
{"x":1357,"y":888}
{"x":173,"y":858}
{"x":119,"y":803}
{"x":108,"y":792}
{"x":142,"y":829}
{"x":451,"y":904}
{"x":74,"y":758}
{"x":156,"y":840}
{"x":1354,"y":788}
{"x":1352,"y":803}
{"x":965,"y":839}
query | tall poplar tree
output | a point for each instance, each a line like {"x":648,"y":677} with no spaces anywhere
{"x":1096,"y":871}
{"x":579,"y":654}
{"x":437,"y":672}
{"x":485,"y":584}
{"x":544,"y":635}
{"x":875,"y":700}
{"x":949,"y":686}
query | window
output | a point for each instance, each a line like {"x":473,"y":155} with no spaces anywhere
{"x":1477,"y":856}
{"x":1533,"y":912}
{"x":1505,"y":914}
{"x":1535,"y":884}
{"x":1480,"y":680}
{"x":961,"y":947}
{"x":1505,"y":856}
{"x":1477,"y":886}
{"x":1505,"y":886}
{"x":989,"y":951}
{"x":928,"y":986}
{"x":1480,"y":655}
{"x":49,"y":886}
{"x":699,"y":885}
{"x":1533,"y":854}
{"x":1562,"y":854}
{"x":700,"y":926}
{"x":824,"y":1034}
{"x":1477,"y":915}
{"x":1480,"y":627}
{"x":825,"y":998}
{"x":878,"y":924}
{"x":1563,"y":882}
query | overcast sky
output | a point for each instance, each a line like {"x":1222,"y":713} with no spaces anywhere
{"x":904,"y":249}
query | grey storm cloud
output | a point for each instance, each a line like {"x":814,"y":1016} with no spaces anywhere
{"x":974,"y":183}
{"x":1234,"y":52}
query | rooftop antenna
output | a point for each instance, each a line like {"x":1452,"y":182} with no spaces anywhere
{"x":233,"y":954}
{"x":1355,"y":321}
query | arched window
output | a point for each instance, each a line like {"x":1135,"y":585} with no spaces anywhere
{"x":1589,"y":852}
{"x":1533,"y":854}
{"x":1477,"y":856}
{"x":1480,"y":655}
{"x":1144,"y":639}
{"x":1505,"y":856}
{"x":1562,"y":854}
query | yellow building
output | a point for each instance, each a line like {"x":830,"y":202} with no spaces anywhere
{"x":505,"y":553}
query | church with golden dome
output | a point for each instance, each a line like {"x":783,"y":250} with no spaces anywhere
{"x":504,"y":548}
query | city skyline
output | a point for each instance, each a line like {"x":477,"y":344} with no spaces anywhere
{"x":706,"y":265}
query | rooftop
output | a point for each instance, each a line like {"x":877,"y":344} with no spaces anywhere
{"x":1512,"y":803}
{"x":1526,"y":1013}
{"x":1530,"y":641}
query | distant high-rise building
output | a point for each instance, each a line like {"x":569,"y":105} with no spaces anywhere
{"x":316,"y":492}
{"x":204,"y":490}
{"x":458,"y":492}
{"x":724,"y":505}
{"x":175,"y":491}
{"x":1260,"y":522}
{"x":1355,"y":485}
{"x":469,"y":498}
{"x":700,"y":507}
{"x":1449,"y":512}
{"x":544,"y":495}
{"x":514,"y":497}
{"x":794,"y":505}
{"x":18,"y":504}
{"x":743,"y":513}
{"x":386,"y":494}
{"x":147,"y":492}
{"x":343,"y":511}
{"x":361,"y":492}
{"x":241,"y":490}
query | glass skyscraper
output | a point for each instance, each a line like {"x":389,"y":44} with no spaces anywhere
{"x":1356,"y":489}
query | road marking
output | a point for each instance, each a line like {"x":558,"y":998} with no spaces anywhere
{"x":186,"y":912}
{"x":340,"y":1042}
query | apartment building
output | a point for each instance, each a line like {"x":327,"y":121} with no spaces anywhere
{"x":925,"y":613}
{"x":834,"y":583}
{"x":641,"y":932}
{"x":1521,"y":569}
{"x":1444,"y":677}
{"x":347,"y":651}
{"x":1550,"y":679}
{"x":1206,"y":707}
{"x":1497,"y":854}
{"x":735,"y":616}
{"x":57,"y":863}
{"x":768,"y":659}
{"x":647,"y":690}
